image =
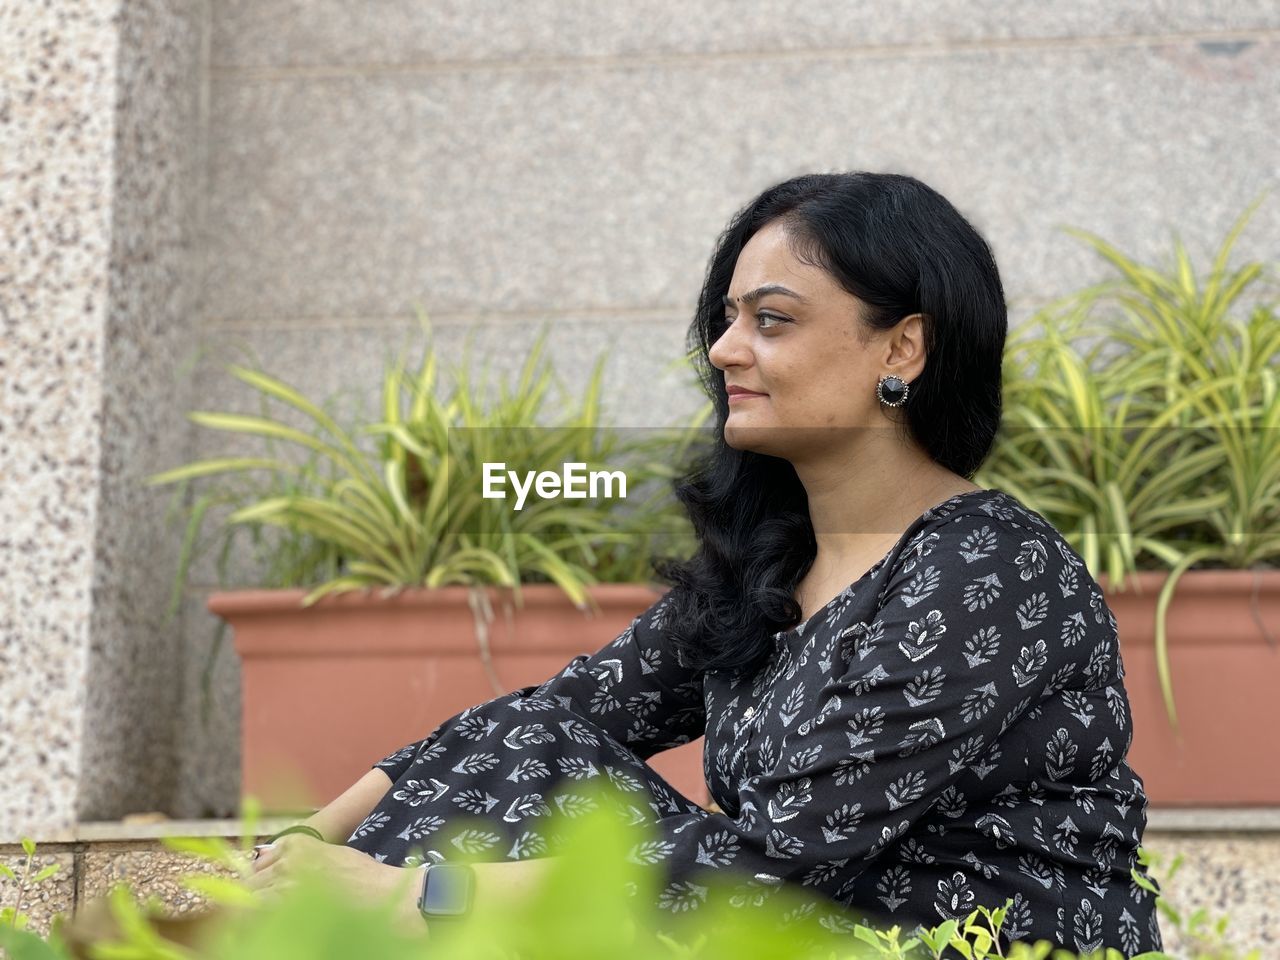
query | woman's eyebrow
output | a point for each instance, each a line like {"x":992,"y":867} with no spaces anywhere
{"x":751,"y":296}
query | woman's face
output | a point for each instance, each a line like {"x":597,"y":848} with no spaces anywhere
{"x":793,"y":336}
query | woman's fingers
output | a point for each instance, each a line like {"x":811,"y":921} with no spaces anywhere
{"x":273,"y":864}
{"x":260,"y":879}
{"x":269,"y":871}
{"x":272,"y":893}
{"x":263,"y":855}
{"x":271,"y":882}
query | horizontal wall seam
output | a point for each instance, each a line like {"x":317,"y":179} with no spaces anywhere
{"x":702,"y":59}
{"x":451,"y":319}
{"x":491,"y":317}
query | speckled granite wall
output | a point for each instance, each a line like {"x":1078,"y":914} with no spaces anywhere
{"x":57,"y":138}
{"x":130,"y":760}
{"x":98,"y":135}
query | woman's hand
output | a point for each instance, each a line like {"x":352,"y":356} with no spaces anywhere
{"x":367,"y":880}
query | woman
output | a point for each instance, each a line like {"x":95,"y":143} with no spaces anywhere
{"x":910,"y":686}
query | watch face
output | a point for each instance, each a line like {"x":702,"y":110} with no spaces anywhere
{"x":447,"y":890}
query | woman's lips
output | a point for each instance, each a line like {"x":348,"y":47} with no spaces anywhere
{"x":734,"y":397}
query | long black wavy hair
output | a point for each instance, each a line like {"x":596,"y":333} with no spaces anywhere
{"x":901,"y":248}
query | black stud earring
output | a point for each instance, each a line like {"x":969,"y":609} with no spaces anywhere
{"x":892,"y":391}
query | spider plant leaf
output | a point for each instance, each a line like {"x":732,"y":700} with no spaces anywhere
{"x":277,"y":388}
{"x":206,"y":468}
{"x":265,"y":427}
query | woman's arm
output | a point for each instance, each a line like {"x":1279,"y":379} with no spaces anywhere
{"x":498,"y":885}
{"x":501,"y":884}
{"x":338,"y":819}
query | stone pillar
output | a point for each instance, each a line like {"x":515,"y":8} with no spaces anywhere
{"x":99,"y":174}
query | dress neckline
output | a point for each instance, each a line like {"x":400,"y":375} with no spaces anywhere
{"x":875,"y":567}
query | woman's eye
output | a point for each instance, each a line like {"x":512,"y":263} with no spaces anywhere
{"x":728,"y":321}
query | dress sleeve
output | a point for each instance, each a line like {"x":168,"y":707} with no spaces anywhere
{"x":970,"y":633}
{"x":634,"y":689}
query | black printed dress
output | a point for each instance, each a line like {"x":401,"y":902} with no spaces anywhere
{"x":949,"y":731}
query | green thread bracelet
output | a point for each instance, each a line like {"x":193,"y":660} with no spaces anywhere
{"x":299,"y":828}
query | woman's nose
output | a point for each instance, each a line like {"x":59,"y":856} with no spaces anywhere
{"x":728,"y":348}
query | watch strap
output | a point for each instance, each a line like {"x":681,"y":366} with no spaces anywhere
{"x":298,"y":828}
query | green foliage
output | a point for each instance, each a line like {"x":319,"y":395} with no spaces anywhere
{"x":12,"y":916}
{"x":1142,"y":419}
{"x":397,"y":501}
{"x":595,"y":900}
{"x":410,"y":511}
{"x":17,"y":944}
{"x":1205,"y":935}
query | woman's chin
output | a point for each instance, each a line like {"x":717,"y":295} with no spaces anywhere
{"x":755,"y":437}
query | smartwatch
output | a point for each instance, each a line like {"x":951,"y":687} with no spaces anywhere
{"x":447,"y":891}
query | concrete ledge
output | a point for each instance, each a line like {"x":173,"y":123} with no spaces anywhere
{"x":94,"y":857}
{"x":126,"y":835}
{"x":1215,"y":820}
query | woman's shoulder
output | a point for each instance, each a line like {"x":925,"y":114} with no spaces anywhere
{"x":999,"y":574}
{"x":992,"y":534}
{"x":989,"y":523}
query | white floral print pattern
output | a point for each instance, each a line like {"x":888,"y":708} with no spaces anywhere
{"x":949,"y":731}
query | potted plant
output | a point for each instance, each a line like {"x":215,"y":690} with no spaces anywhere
{"x":1142,"y":419}
{"x":401,"y":634}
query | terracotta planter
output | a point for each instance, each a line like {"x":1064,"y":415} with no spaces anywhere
{"x":1226,"y":686}
{"x":330,"y":689}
